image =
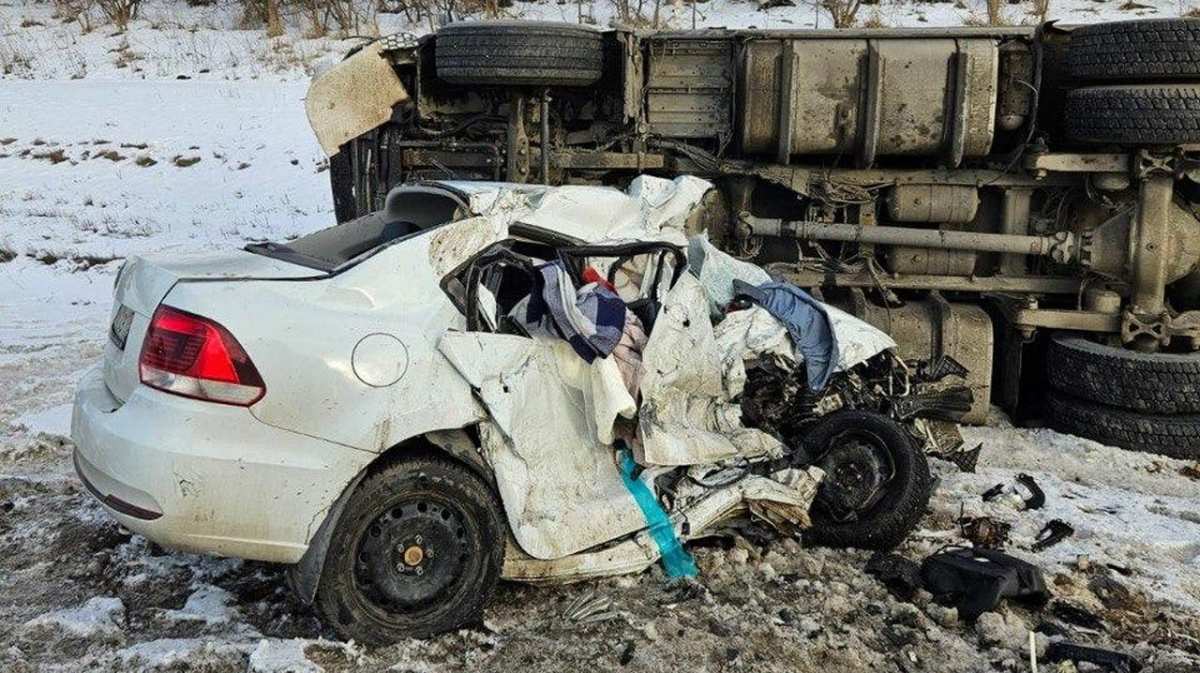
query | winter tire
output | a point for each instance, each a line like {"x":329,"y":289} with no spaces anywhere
{"x":1136,"y":50}
{"x":519,"y":53}
{"x":851,"y":446}
{"x":1173,"y":436}
{"x":1141,"y":115}
{"x":417,"y":551}
{"x":1157,"y":383}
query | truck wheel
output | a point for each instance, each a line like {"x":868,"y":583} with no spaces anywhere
{"x":1173,"y":436}
{"x":876,"y":483}
{"x":519,"y":53}
{"x":1134,"y":115}
{"x":1149,"y":49}
{"x":418,"y":551}
{"x":1162,"y":383}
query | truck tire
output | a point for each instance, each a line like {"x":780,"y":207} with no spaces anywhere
{"x":422,"y":513}
{"x":519,"y":53}
{"x":1143,"y":115}
{"x":888,"y":520}
{"x":1136,"y":50}
{"x":1172,"y":436}
{"x":1157,"y":383}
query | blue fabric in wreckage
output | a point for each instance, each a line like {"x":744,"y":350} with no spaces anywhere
{"x":806,"y":321}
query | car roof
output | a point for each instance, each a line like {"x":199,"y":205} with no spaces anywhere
{"x":651,"y":208}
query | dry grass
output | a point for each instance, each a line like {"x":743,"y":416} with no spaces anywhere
{"x":120,"y":12}
{"x":1040,"y":9}
{"x":79,"y":11}
{"x":14,"y":60}
{"x":843,"y":12}
{"x":875,"y":20}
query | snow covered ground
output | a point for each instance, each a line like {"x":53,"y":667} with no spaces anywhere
{"x":104,"y":153}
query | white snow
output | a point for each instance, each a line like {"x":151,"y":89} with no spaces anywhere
{"x":173,"y":652}
{"x":54,"y":421}
{"x":82,"y":116}
{"x":98,"y":616}
{"x":282,"y":656}
{"x":1128,"y":509}
{"x":208,"y":604}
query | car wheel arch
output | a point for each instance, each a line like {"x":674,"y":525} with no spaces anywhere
{"x":460,"y":445}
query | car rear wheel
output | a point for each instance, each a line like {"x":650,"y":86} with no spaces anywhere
{"x":876,"y":485}
{"x":519,"y":53}
{"x":418,"y":551}
{"x":1139,"y":115}
{"x":1136,"y":50}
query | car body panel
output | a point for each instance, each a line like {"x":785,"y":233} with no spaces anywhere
{"x":561,"y":490}
{"x":223,"y":482}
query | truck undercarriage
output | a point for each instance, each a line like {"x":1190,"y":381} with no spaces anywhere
{"x":1017,"y":199}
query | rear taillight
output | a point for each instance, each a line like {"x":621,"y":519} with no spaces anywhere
{"x":192,"y":356}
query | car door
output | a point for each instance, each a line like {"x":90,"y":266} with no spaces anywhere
{"x":560,"y":485}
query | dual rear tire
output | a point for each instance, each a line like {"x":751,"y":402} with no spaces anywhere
{"x":1148,"y":402}
{"x":1141,"y":83}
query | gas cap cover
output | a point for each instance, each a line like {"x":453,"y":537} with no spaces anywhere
{"x":379,"y":360}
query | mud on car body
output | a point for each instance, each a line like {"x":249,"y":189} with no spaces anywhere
{"x":1023,"y":199}
{"x":376,"y":404}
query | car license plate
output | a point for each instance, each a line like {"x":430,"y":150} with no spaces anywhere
{"x":120,"y":327}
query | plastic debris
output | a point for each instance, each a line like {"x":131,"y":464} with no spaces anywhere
{"x":901,"y":576}
{"x":1037,"y":497}
{"x":1054,"y":532}
{"x":1107,"y":660}
{"x":677,"y":562}
{"x":977,"y":580}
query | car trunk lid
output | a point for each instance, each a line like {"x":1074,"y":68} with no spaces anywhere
{"x":144,"y":281}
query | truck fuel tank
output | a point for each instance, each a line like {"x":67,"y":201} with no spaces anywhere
{"x":869,"y":97}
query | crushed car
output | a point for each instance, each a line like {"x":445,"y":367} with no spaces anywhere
{"x":1025,"y":199}
{"x":488,"y":380}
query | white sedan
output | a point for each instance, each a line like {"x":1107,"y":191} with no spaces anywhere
{"x":376,"y":405}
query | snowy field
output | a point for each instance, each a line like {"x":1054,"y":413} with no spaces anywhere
{"x":186,"y":134}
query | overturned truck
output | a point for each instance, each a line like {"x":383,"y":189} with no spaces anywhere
{"x":1024,"y":200}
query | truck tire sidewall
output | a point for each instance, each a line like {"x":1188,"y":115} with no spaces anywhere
{"x":504,"y":53}
{"x":1171,"y":436}
{"x":1154,"y":383}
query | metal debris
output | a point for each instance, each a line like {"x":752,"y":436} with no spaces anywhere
{"x":590,"y":609}
{"x":985,"y":531}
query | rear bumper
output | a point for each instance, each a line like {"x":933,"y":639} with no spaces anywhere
{"x":206,"y":477}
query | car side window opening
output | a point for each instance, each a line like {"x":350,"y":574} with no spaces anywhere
{"x":494,"y":289}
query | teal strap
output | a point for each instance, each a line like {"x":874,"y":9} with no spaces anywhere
{"x":677,"y":562}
